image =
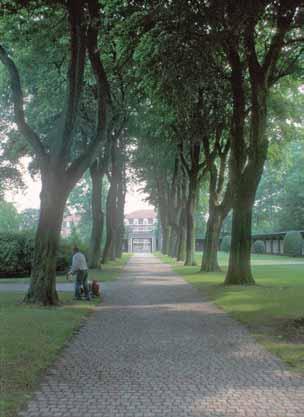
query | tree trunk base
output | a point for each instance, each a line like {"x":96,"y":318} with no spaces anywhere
{"x":210,"y":268}
{"x":190,"y":263}
{"x":237,"y":279}
{"x":43,"y":300}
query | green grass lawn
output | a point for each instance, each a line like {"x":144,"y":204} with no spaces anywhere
{"x":269,"y":309}
{"x":31,"y":337}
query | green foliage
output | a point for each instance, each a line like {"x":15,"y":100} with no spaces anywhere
{"x":16,"y":251}
{"x":258,"y":247}
{"x":293,"y":244}
{"x":279,"y":201}
{"x":17,"y":248}
{"x":225,"y":244}
{"x":29,"y":219}
{"x":291,"y":201}
{"x":9,"y":217}
{"x":80,"y":202}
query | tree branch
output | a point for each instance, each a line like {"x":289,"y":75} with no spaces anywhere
{"x":103,"y":87}
{"x":30,"y":135}
{"x":75,"y":73}
{"x":283,"y":25}
{"x":183,"y":160}
{"x":79,"y":165}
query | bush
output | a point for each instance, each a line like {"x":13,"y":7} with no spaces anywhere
{"x":64,"y":255}
{"x":225,"y":244}
{"x":17,"y":249}
{"x":293,"y":243}
{"x":258,"y":247}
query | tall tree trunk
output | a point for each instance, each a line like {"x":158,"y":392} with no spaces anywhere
{"x":121,"y":197}
{"x":43,"y":277}
{"x":214,"y":225}
{"x":166,"y":232}
{"x":239,"y":270}
{"x":181,"y":249}
{"x":97,"y":216}
{"x":244,"y":187}
{"x":190,"y":221}
{"x":172,"y":243}
{"x":111,"y":206}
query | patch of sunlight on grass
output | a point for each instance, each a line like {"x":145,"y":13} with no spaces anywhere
{"x":277,"y":297}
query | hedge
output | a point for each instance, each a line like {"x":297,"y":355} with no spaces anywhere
{"x":225,"y":244}
{"x":293,"y":243}
{"x":16,"y":252}
{"x":258,"y":247}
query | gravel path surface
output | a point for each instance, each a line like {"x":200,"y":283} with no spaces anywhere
{"x":154,"y":348}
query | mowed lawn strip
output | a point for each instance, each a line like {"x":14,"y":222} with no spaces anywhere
{"x":31,"y":337}
{"x":272,"y":310}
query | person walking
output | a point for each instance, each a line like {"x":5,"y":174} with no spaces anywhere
{"x":80,"y":269}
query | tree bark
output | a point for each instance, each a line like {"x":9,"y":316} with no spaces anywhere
{"x":181,"y":248}
{"x":110,"y":214}
{"x":97,"y":216}
{"x":190,"y":221}
{"x":172,"y":242}
{"x":214,"y":225}
{"x":218,"y":211}
{"x":166,"y":231}
{"x":239,"y":269}
{"x":121,"y":197}
{"x":43,"y":277}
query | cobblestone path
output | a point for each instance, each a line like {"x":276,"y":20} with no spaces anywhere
{"x":155,"y":349}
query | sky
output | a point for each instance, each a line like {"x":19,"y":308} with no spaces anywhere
{"x":29,"y":197}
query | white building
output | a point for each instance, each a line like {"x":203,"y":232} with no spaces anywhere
{"x":141,"y":231}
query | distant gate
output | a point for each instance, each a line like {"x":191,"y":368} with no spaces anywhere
{"x":141,"y":245}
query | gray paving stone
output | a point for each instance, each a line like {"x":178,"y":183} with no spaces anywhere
{"x":155,"y":349}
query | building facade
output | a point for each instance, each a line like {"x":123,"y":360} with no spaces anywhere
{"x":274,"y":242}
{"x":141,"y":231}
{"x":69,"y":221}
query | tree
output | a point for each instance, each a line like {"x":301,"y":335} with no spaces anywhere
{"x":60,"y":169}
{"x":9,"y":217}
{"x":29,"y":219}
{"x":262,"y":64}
{"x":116,"y":199}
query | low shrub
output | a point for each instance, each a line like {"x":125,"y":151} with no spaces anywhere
{"x":293,"y":243}
{"x":258,"y":247}
{"x":225,"y":244}
{"x":17,"y":249}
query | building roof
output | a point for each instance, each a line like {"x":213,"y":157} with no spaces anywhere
{"x":141,"y":214}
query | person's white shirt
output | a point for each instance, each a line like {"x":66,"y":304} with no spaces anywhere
{"x":79,"y":263}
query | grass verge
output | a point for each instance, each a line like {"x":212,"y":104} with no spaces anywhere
{"x":31,"y":337}
{"x":273,"y":310}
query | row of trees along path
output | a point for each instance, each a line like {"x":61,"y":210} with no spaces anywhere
{"x":179,"y":92}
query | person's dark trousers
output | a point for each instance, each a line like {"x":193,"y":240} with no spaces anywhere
{"x":82,"y":280}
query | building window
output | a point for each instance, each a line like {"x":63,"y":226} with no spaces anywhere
{"x":130,"y":221}
{"x":150,"y":221}
{"x":140,"y":221}
{"x":135,"y":221}
{"x":145,"y":221}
